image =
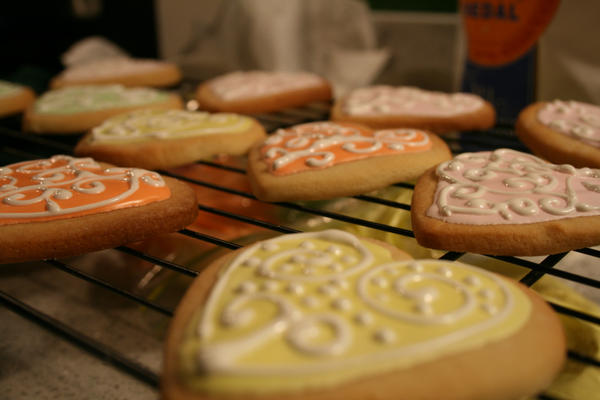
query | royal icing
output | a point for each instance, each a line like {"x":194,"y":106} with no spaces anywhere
{"x":251,"y":84}
{"x":112,"y":67}
{"x":9,"y":89}
{"x":324,"y":144}
{"x":65,"y":187}
{"x":578,"y":120}
{"x":76,"y":99}
{"x":510,"y":187}
{"x":167,"y":124}
{"x":389,"y":100}
{"x":315,"y":309}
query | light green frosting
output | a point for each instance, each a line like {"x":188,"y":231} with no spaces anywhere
{"x":77,"y":99}
{"x":8,"y":88}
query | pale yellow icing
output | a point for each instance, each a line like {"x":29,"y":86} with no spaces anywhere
{"x":319,"y":309}
{"x":145,"y":125}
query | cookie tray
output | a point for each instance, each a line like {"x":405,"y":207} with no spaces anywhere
{"x":93,"y":326}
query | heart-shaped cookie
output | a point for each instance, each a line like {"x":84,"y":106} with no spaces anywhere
{"x":323,"y":160}
{"x":384,"y":106}
{"x":507,"y":203}
{"x":261,"y":91}
{"x":125,"y":71}
{"x":65,"y":206}
{"x":14,"y":98}
{"x":160,"y":139}
{"x":562,"y":132}
{"x":316,"y":315}
{"x":75,"y":109}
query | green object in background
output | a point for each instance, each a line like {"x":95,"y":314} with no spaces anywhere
{"x":442,"y":6}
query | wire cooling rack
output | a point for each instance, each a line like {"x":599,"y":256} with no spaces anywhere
{"x":134,"y":289}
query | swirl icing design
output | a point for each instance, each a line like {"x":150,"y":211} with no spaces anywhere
{"x":9,"y":89}
{"x":76,"y":99}
{"x":389,"y":100}
{"x":250,"y":84}
{"x":65,"y":187}
{"x":510,"y":187}
{"x":324,"y":144}
{"x":167,"y":124}
{"x":111,"y":67}
{"x":578,"y":120}
{"x":315,"y":309}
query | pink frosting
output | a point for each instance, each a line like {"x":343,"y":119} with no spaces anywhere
{"x":251,"y":84}
{"x":578,"y":120}
{"x":111,"y":67}
{"x":388,"y":100}
{"x":510,"y":187}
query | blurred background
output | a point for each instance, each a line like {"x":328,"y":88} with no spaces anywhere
{"x":351,"y":42}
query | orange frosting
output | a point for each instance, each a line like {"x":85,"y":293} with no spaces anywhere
{"x":324,"y":144}
{"x":66,"y":187}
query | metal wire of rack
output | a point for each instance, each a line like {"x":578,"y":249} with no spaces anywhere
{"x":17,"y":146}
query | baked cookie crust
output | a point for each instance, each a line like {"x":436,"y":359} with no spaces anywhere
{"x":512,"y":368}
{"x":344,"y":179}
{"x":209,"y":100}
{"x":127,"y":72}
{"x":533,"y":239}
{"x":170,"y":152}
{"x":77,"y":235}
{"x":79,"y":122}
{"x":480,"y":119}
{"x":17,"y":102}
{"x":553,"y":145}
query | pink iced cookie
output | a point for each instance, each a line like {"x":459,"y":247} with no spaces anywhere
{"x":507,"y":203}
{"x":562,"y":132}
{"x":403,"y":106}
{"x":124,"y":71}
{"x":261,"y":91}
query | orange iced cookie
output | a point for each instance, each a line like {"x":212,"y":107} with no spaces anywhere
{"x":64,"y":206}
{"x":323,"y":160}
